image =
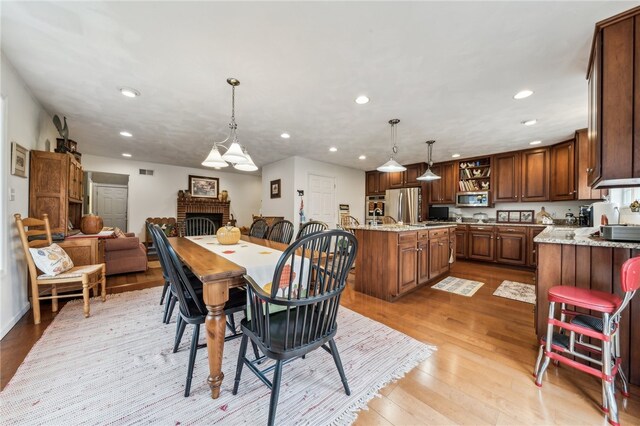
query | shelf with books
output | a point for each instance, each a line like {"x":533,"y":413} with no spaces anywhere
{"x":474,"y":175}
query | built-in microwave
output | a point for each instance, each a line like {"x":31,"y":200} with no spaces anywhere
{"x":473,"y":199}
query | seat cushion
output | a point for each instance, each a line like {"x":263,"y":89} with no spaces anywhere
{"x":589,"y":299}
{"x":587,"y":321}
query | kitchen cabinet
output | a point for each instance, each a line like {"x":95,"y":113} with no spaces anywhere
{"x":585,"y":191}
{"x":481,"y":243}
{"x":443,"y":190}
{"x":407,"y":266}
{"x":55,"y":188}
{"x":461,"y":234}
{"x":423,"y":257}
{"x":534,"y":166}
{"x":407,"y":178}
{"x":376,"y":182}
{"x":614,"y":102}
{"x":506,"y":177}
{"x":563,"y":171}
{"x":511,"y":245}
{"x":532,"y":246}
{"x":438,"y":252}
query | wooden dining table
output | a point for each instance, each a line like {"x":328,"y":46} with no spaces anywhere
{"x":218,"y":275}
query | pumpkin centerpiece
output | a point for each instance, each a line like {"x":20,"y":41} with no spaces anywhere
{"x":91,"y":224}
{"x":228,"y":234}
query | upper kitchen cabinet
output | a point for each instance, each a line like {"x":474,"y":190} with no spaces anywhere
{"x":535,"y":175}
{"x":585,"y":192}
{"x":614,"y":102}
{"x":506,"y":177}
{"x":376,"y":182}
{"x":443,"y":190}
{"x":563,"y":171}
{"x":408,"y":178}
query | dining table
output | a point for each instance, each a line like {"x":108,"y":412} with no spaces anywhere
{"x":218,"y":275}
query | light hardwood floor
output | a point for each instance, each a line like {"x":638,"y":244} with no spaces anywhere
{"x":480,"y":374}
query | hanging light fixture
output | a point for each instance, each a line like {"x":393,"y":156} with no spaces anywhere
{"x":429,"y":175}
{"x":392,"y":165}
{"x":234,"y":154}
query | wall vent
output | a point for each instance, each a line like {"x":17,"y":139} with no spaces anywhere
{"x":146,"y":172}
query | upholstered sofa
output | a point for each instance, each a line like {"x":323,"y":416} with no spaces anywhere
{"x":123,"y":255}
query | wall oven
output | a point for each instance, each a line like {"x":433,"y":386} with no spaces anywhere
{"x":473,"y":199}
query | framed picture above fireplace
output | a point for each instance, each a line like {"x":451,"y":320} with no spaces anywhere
{"x":203,"y":186}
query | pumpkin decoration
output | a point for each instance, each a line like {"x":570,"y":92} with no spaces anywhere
{"x":91,"y":224}
{"x":228,"y":234}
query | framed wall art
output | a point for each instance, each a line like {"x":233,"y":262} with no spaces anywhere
{"x":203,"y":186}
{"x":275,"y":188}
{"x":515,"y":216}
{"x":18,"y":160}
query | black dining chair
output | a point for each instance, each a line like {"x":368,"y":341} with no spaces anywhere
{"x":281,"y":232}
{"x":192,"y":310}
{"x":259,"y":228}
{"x":165,"y":287}
{"x":311,"y":227}
{"x":196,"y":226}
{"x":312,"y":273}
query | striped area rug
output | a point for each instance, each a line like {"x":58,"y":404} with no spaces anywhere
{"x":458,"y":286}
{"x":116,"y":367}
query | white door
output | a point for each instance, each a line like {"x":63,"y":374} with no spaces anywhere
{"x":110,"y":203}
{"x":322,"y":196}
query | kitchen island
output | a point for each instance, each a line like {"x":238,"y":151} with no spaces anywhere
{"x":565,"y":257}
{"x":394,"y":260}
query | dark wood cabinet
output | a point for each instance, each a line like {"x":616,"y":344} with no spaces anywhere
{"x":443,"y":190}
{"x":481,"y":243}
{"x":396,"y":180}
{"x":438,"y":256}
{"x":461,"y":238}
{"x":534,"y":174}
{"x":511,"y":245}
{"x":532,"y":246}
{"x":614,"y":107}
{"x":506,"y":177}
{"x":408,"y":178}
{"x":55,"y":188}
{"x":376,"y":182}
{"x":423,"y":260}
{"x":407,"y":266}
{"x":563,"y":171}
{"x":585,"y":192}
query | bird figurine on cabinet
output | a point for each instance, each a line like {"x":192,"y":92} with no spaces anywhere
{"x":64,"y":133}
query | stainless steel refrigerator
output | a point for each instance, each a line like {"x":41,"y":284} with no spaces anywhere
{"x":403,"y":204}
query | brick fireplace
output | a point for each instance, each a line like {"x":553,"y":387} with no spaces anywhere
{"x":206,"y":206}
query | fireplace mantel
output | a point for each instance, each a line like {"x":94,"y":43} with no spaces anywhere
{"x":202,"y":205}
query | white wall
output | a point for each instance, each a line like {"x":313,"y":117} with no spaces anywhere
{"x":283,"y":206}
{"x":156,"y":196}
{"x":30,"y":126}
{"x":557,"y":208}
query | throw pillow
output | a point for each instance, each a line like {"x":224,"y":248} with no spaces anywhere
{"x":118,"y":233}
{"x":51,"y":260}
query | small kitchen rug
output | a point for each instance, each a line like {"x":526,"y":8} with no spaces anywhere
{"x":458,"y":286}
{"x":517,"y":291}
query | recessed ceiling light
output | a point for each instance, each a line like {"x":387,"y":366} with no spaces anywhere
{"x":535,"y":142}
{"x":455,"y":155}
{"x":362,"y":157}
{"x":523,"y":94}
{"x":129,"y":92}
{"x":125,"y":134}
{"x":362,"y":99}
{"x":285,"y":136}
{"x":124,"y":154}
{"x":333,"y":149}
{"x":530,"y":122}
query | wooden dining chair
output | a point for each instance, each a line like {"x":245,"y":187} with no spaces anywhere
{"x":311,"y":227}
{"x":281,"y":232}
{"x":388,"y":220}
{"x":54,"y":287}
{"x":259,"y":228}
{"x":196,"y":226}
{"x":309,"y":307}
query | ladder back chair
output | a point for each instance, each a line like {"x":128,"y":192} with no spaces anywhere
{"x":196,"y":226}
{"x":47,"y":287}
{"x":312,"y":273}
{"x":348,"y":221}
{"x":388,"y":220}
{"x":281,"y":232}
{"x":311,"y":227}
{"x":259,"y":229}
{"x":602,"y":326}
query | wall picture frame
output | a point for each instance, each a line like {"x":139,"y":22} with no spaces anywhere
{"x":275,"y":188}
{"x":18,"y":160}
{"x":204,"y":186}
{"x":502,"y":216}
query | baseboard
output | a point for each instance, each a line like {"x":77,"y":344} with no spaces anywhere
{"x":7,"y":328}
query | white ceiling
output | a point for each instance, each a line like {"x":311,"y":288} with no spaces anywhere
{"x":448,"y":71}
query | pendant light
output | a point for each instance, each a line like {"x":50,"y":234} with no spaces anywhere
{"x":429,"y":175}
{"x":235,"y":153}
{"x":392,"y":165}
{"x":249,"y":166}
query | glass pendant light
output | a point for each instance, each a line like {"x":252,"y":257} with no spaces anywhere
{"x":392,"y":165}
{"x":249,"y":166}
{"x":235,"y":153}
{"x":429,"y":175}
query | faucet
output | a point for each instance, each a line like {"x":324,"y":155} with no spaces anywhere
{"x":376,"y":210}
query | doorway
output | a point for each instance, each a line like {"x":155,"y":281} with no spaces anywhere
{"x":108,"y":195}
{"x":322,"y":199}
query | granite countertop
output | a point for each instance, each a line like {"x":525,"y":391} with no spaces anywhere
{"x":579,"y":237}
{"x":499,"y":224}
{"x":404,"y":228}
